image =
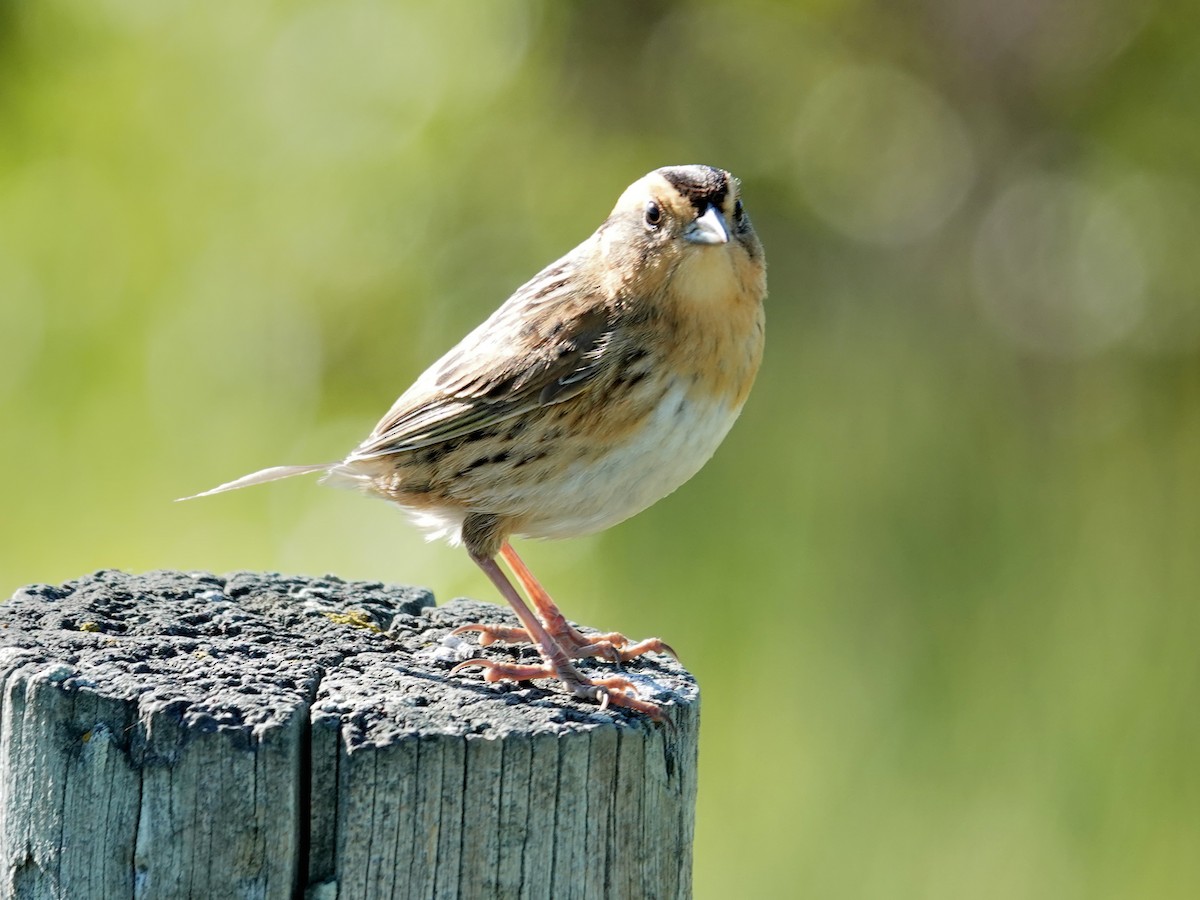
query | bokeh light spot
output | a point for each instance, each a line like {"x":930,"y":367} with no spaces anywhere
{"x":329,"y":105}
{"x":881,"y":157}
{"x":1057,"y":267}
{"x":1164,"y":213}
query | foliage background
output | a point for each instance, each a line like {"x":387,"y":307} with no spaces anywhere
{"x":940,"y":583}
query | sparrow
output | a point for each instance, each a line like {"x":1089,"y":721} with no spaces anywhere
{"x":598,"y":388}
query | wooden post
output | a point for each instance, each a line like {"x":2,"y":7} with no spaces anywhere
{"x":187,"y":735}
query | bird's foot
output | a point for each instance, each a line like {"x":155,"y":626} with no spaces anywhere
{"x":614,"y":646}
{"x":613,"y":689}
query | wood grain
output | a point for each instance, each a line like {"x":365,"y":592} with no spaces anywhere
{"x":254,"y":735}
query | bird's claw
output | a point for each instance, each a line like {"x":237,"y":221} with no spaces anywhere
{"x":490,"y":634}
{"x":613,"y":690}
{"x":613,"y":647}
{"x":494,"y":671}
{"x":619,"y":692}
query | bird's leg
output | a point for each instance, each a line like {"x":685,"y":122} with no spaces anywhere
{"x":613,"y":646}
{"x":614,"y":690}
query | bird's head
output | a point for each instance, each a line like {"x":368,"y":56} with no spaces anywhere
{"x":688,"y":224}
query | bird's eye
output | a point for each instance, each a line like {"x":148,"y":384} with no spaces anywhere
{"x":653,"y":214}
{"x":737,"y":210}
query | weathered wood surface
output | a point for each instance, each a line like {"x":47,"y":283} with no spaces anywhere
{"x":187,"y":735}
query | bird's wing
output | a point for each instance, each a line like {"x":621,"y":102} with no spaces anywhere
{"x":545,"y":345}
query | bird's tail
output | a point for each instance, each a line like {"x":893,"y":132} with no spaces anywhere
{"x":262,"y":477}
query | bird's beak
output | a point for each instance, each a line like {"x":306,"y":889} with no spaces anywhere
{"x":709,"y":228}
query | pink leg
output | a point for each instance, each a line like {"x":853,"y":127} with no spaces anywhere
{"x":613,"y":646}
{"x":618,"y":691}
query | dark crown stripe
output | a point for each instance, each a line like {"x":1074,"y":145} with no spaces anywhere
{"x":701,"y":185}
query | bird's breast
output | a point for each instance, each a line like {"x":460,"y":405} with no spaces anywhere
{"x":707,"y":350}
{"x":713,"y":310}
{"x":672,"y":443}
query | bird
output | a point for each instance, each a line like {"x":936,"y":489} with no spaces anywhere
{"x":599,"y":387}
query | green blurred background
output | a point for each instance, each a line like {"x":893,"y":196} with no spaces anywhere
{"x":940,"y":583}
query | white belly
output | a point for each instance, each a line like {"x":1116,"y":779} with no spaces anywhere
{"x":679,"y":437}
